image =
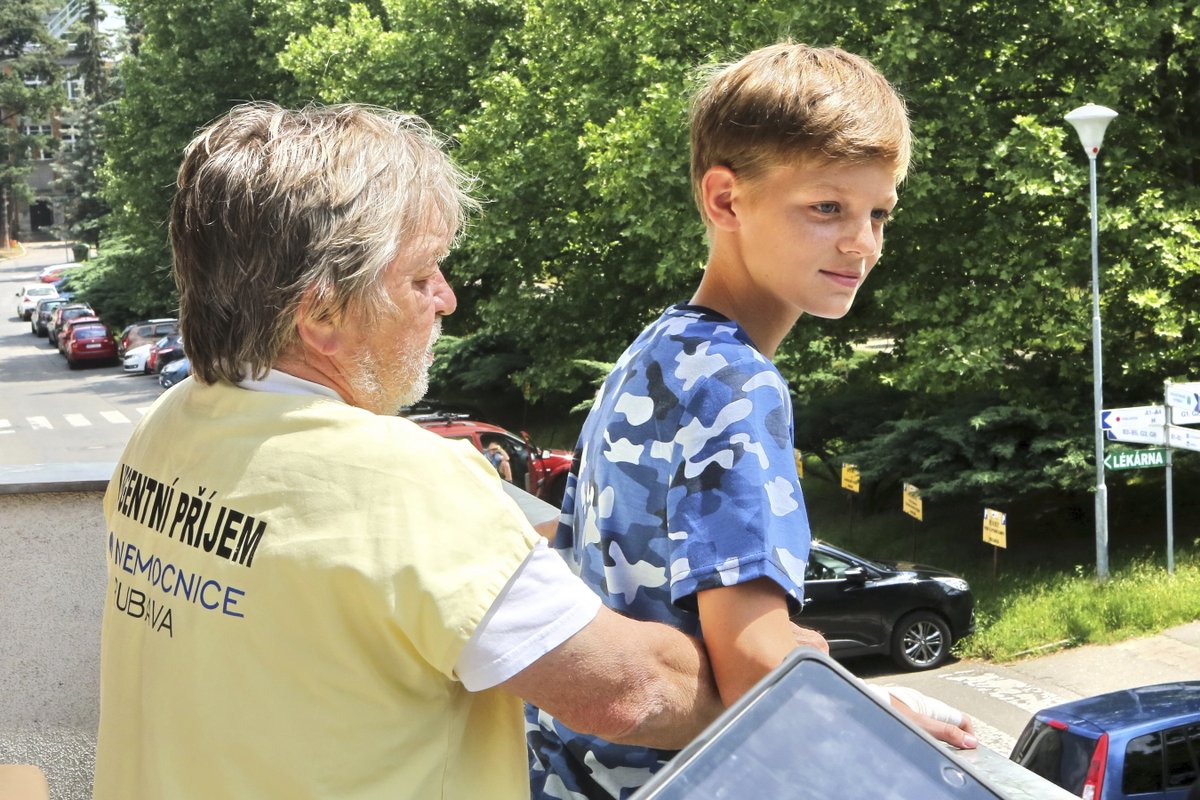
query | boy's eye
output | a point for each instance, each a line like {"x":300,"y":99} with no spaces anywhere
{"x":881,"y":215}
{"x":826,"y":208}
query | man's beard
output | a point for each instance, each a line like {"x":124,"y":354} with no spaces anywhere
{"x":405,"y":381}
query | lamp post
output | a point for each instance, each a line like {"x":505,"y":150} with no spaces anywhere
{"x":1089,"y":122}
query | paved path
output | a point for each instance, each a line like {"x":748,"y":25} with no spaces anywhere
{"x":1002,"y":697}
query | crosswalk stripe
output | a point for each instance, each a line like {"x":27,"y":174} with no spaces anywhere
{"x":39,"y":423}
{"x":115,"y":417}
{"x":5,"y":423}
{"x":143,"y":409}
{"x":1009,"y":690}
{"x":77,"y":420}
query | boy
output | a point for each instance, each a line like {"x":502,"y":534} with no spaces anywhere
{"x":686,"y":508}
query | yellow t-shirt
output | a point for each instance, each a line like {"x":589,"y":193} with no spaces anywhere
{"x":291,"y":580}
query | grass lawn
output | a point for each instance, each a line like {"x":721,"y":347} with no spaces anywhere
{"x":1040,"y":593}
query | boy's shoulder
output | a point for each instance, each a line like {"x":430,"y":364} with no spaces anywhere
{"x":690,"y":330}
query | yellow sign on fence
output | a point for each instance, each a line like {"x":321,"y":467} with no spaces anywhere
{"x":799,"y":464}
{"x":995,"y":528}
{"x":912,"y":502}
{"x":850,"y":477}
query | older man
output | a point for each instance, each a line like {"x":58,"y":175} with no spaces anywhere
{"x":308,"y":596}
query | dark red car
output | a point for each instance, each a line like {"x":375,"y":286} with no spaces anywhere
{"x":64,"y":330}
{"x":167,"y":349}
{"x":542,"y":473}
{"x":89,"y":340}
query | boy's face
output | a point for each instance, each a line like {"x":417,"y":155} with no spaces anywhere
{"x":810,"y":233}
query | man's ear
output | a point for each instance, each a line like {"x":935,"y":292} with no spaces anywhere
{"x":318,"y":333}
{"x":716,"y":194}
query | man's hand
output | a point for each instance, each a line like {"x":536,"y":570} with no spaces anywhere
{"x":807,"y":637}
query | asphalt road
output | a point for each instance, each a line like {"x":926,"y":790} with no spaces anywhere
{"x":1002,"y":697}
{"x":50,"y":414}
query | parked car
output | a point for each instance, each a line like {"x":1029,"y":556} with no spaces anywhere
{"x":134,"y":361}
{"x":64,"y":330}
{"x":28,"y":296}
{"x":56,"y":272}
{"x":174,"y":372}
{"x":88,"y":340}
{"x":912,"y":612}
{"x":163,"y":352}
{"x":39,"y":320}
{"x":145,"y":331}
{"x":542,"y":473}
{"x":61,"y":315}
{"x":1136,"y":743}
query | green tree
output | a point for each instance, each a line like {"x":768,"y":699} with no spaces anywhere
{"x":79,"y":166}
{"x":30,"y":89}
{"x":188,"y":63}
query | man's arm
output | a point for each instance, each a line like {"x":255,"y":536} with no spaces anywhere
{"x":626,"y":681}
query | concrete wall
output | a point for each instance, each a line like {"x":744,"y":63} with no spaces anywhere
{"x":51,"y":597}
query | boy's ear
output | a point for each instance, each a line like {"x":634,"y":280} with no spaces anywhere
{"x":716,"y":193}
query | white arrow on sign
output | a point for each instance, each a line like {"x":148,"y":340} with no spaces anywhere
{"x":1151,"y":434}
{"x":1135,"y":417}
{"x":1184,"y":395}
{"x":1183,"y":438}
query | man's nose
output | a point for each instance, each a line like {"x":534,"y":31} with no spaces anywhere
{"x":443,"y":296}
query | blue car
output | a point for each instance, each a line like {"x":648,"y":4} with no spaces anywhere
{"x":1142,"y":744}
{"x":174,"y":372}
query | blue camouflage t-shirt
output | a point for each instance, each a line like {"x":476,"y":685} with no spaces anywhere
{"x":686,"y":481}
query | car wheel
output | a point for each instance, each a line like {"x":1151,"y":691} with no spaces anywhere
{"x":921,"y":640}
{"x":72,"y":364}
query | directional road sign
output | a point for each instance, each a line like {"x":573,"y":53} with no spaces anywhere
{"x":1124,"y":458}
{"x":1184,"y":395}
{"x":1183,"y":438}
{"x":1139,"y":424}
{"x":1184,"y":416}
{"x":1137,"y":416}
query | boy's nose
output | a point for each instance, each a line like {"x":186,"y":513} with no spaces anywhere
{"x":863,"y":239}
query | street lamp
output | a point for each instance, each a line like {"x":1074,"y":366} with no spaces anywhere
{"x":1089,"y":122}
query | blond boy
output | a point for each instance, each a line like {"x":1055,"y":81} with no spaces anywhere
{"x":687,"y":508}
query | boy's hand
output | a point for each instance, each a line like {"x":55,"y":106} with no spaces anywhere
{"x":807,"y":637}
{"x":942,"y":722}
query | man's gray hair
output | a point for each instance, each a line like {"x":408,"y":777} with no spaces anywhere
{"x":276,"y":207}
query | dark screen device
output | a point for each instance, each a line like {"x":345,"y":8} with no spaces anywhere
{"x":810,"y":729}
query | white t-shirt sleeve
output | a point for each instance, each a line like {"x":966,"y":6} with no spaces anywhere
{"x":542,"y":605}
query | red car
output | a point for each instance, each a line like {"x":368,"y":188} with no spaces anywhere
{"x":64,"y":330}
{"x":542,"y":473}
{"x":89,"y":340}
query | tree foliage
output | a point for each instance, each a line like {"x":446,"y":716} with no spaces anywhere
{"x":30,"y":87}
{"x":572,"y":113}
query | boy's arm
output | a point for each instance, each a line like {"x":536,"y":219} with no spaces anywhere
{"x":747,"y":633}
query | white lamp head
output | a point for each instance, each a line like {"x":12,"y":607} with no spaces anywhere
{"x":1089,"y":122}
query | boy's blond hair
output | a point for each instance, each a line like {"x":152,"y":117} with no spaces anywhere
{"x":789,"y":103}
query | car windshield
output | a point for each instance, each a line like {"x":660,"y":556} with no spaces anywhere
{"x":1059,"y":756}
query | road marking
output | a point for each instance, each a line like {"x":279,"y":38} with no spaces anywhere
{"x":39,"y":423}
{"x":115,"y":417}
{"x":77,"y":420}
{"x":1007,"y":690}
{"x":143,"y":409}
{"x":5,"y":423}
